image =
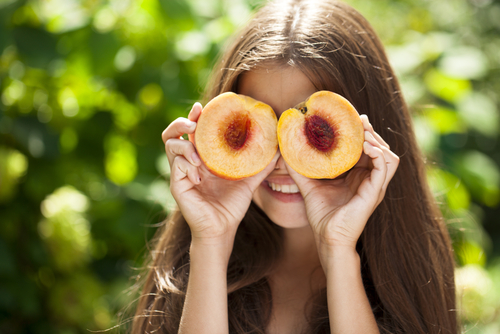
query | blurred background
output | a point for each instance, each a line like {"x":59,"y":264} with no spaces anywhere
{"x":87,"y":86}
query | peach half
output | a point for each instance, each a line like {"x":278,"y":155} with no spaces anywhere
{"x":236,"y":136}
{"x":322,"y":137}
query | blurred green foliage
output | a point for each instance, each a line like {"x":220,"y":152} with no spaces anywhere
{"x":87,"y":87}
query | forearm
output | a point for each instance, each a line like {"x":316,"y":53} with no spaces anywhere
{"x":205,"y":306}
{"x":348,"y":305}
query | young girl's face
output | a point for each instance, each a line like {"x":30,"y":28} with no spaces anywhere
{"x":281,"y":88}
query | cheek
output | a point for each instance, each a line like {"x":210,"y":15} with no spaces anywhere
{"x":257,"y":197}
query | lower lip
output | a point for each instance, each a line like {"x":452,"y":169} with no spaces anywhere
{"x":285,"y":198}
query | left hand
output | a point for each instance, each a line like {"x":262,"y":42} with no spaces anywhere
{"x":338,"y":209}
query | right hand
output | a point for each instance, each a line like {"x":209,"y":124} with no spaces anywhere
{"x":213,"y":207}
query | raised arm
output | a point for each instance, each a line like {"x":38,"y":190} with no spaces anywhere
{"x":338,"y":211}
{"x":213,"y":208}
{"x":348,"y":306}
{"x":205,"y":307}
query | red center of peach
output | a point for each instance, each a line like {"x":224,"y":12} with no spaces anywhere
{"x":237,"y":131}
{"x":319,"y":133}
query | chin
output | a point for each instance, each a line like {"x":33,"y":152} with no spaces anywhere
{"x":290,"y":224}
{"x":286,"y":215}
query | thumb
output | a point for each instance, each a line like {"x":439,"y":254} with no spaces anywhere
{"x":256,"y":180}
{"x":305,"y":184}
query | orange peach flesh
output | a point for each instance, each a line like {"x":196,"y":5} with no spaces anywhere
{"x":316,"y":158}
{"x":236,"y":136}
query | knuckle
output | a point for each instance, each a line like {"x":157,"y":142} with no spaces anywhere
{"x":174,"y":191}
{"x":178,"y":171}
{"x":177,"y":161}
{"x":170,"y":146}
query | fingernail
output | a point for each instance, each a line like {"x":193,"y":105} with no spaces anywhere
{"x":195,"y":157}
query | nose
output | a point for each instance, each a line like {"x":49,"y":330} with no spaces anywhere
{"x":280,"y":164}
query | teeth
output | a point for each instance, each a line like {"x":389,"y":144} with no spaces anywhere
{"x":284,"y":188}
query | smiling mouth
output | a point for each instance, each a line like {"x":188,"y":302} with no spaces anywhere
{"x":284,"y":188}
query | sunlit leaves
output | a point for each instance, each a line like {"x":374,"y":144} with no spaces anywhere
{"x":77,"y":301}
{"x":68,"y":140}
{"x":464,"y":62}
{"x":65,"y":228}
{"x":480,"y":113}
{"x":191,"y":44}
{"x":218,"y":29}
{"x":445,"y":183}
{"x":125,"y":58}
{"x":62,"y":15}
{"x":68,"y":102}
{"x":427,"y":137}
{"x":471,"y":253}
{"x":481,"y":175}
{"x":120,"y":162}
{"x":14,"y":92}
{"x":13,"y":165}
{"x":151,"y":95}
{"x":474,"y":292}
{"x":444,"y":120}
{"x":105,"y":19}
{"x":446,"y":87}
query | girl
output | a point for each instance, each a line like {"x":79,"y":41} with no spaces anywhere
{"x":366,"y":252}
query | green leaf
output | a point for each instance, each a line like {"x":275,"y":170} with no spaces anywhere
{"x":446,"y":87}
{"x":427,"y":137}
{"x":463,"y":62}
{"x":121,"y":159}
{"x":480,"y":113}
{"x":471,"y":253}
{"x":482,"y":176}
{"x":445,"y":120}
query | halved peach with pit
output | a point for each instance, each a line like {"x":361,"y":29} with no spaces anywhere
{"x":236,"y":136}
{"x":322,"y":137}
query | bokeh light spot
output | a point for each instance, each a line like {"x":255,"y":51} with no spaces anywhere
{"x":125,"y":58}
{"x":120,"y":163}
{"x":151,"y":95}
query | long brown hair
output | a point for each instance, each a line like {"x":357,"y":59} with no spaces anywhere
{"x":406,"y":254}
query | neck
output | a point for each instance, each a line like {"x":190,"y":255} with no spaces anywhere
{"x":299,"y":252}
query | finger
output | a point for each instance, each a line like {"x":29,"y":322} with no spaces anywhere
{"x":305,"y":184}
{"x":371,"y":139}
{"x":364,"y":162}
{"x":177,"y":128}
{"x":379,"y":172}
{"x":257,"y":179}
{"x":392,"y":161}
{"x":195,"y":112}
{"x":194,"y":115}
{"x":369,"y":127}
{"x":183,"y":169}
{"x":176,"y":147}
